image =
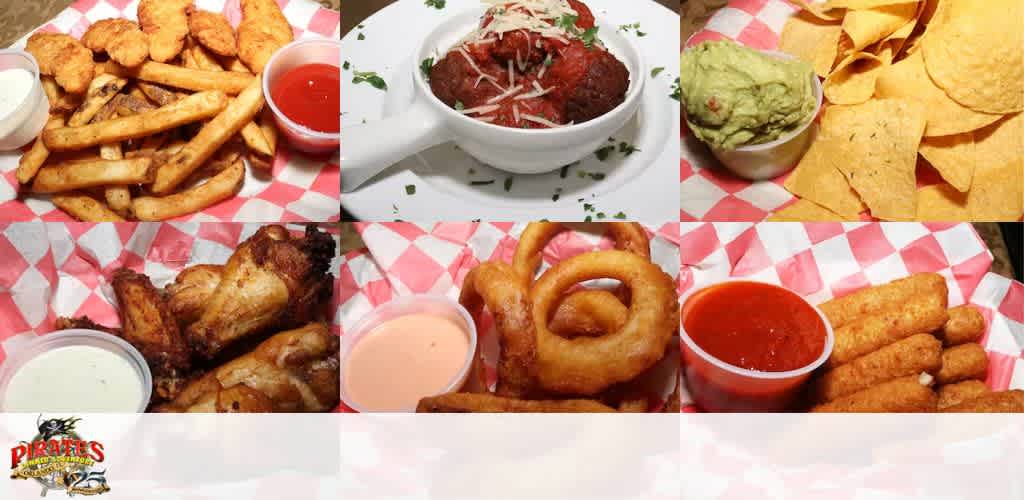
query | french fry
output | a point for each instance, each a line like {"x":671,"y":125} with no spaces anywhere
{"x":187,"y":61}
{"x":52,"y":90}
{"x":203,"y":59}
{"x":30,"y":162}
{"x":218,"y":188}
{"x":193,"y":108}
{"x":70,"y":176}
{"x":85,"y":208}
{"x":253,"y":137}
{"x":269,"y":127}
{"x":212,"y":136}
{"x":128,"y":105}
{"x":157,"y":93}
{"x":233,"y":64}
{"x":260,"y":162}
{"x":102,"y":89}
{"x":119,"y":198}
{"x":184,"y":78}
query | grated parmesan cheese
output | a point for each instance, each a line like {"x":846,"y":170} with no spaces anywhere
{"x":509,"y":92}
{"x":481,"y":110}
{"x":542,"y":121}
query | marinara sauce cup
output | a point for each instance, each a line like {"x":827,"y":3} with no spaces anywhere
{"x":718,"y":386}
{"x":434,"y":305}
{"x":289,"y":57}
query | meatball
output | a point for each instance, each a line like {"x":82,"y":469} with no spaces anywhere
{"x":453,"y":80}
{"x":590,"y":81}
{"x":519,"y":46}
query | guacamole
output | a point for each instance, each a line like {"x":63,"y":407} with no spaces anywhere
{"x":735,"y":96}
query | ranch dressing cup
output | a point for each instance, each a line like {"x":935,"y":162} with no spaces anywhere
{"x":76,"y":371}
{"x":23,"y":104}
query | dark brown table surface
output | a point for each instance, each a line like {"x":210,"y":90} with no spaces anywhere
{"x":358,"y":10}
{"x":19,"y":17}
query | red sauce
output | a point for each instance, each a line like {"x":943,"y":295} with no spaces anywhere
{"x":310,"y":95}
{"x":756,"y":326}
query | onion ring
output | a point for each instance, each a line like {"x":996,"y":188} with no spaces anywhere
{"x":588,"y":313}
{"x":461,"y":402}
{"x":587,"y":365}
{"x":496,"y":285}
{"x":628,"y":236}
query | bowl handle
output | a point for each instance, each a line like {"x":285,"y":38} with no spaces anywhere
{"x":366,"y":150}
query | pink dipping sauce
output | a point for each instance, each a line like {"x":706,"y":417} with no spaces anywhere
{"x":403,"y":360}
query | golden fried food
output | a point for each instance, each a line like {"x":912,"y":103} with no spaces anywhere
{"x":462,"y":402}
{"x":166,"y":23}
{"x":901,"y":395}
{"x":954,"y":394}
{"x":963,"y":362}
{"x":921,"y":314}
{"x":191,"y":289}
{"x":910,"y":356}
{"x":845,"y":309}
{"x":216,"y":189}
{"x":262,"y":31}
{"x":965,"y":325}
{"x":628,"y":236}
{"x":496,"y":286}
{"x":993,"y":402}
{"x":212,"y":31}
{"x":32,"y":160}
{"x":63,"y":57}
{"x":588,"y":313}
{"x":84,"y":207}
{"x":292,"y":371}
{"x":272,"y":280}
{"x":587,"y":365}
{"x":69,"y":176}
{"x":85,"y":323}
{"x":121,"y":39}
{"x":184,"y":78}
{"x":101,"y":91}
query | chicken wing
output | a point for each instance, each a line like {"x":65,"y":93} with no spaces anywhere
{"x":193,"y":287}
{"x":84,"y":323}
{"x":121,"y":39}
{"x":273,"y":280}
{"x":262,"y":31}
{"x":166,"y":23}
{"x":212,"y":31}
{"x":65,"y":58}
{"x":293,"y":371}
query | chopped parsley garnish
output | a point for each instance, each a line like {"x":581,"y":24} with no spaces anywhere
{"x":410,"y":189}
{"x":437,"y":4}
{"x":597,"y":176}
{"x":548,"y":61}
{"x":620,"y":215}
{"x":677,"y":91}
{"x":482,"y":183}
{"x":627,"y":149}
{"x":588,"y":37}
{"x":588,"y":219}
{"x":635,"y":27}
{"x":361,"y":36}
{"x":656,"y":71}
{"x":459,"y":106}
{"x":426,"y":66}
{"x":568,"y":22}
{"x":372,"y":78}
{"x":508,"y":183}
{"x":600,"y":215}
{"x":603,"y":153}
{"x":346,"y":65}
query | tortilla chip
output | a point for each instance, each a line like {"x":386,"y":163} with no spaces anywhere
{"x":975,"y":56}
{"x":933,"y":14}
{"x":999,"y":143}
{"x":879,"y":141}
{"x":909,"y":79}
{"x":805,"y":211}
{"x":812,"y":40}
{"x":819,"y":10}
{"x":817,"y":179}
{"x":997,"y":194}
{"x":868,"y":26}
{"x":942,"y":203}
{"x":853,"y":81}
{"x":862,"y":4}
{"x":953,"y":156}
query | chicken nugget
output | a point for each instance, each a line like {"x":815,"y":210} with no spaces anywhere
{"x":65,"y":58}
{"x":166,"y":23}
{"x":963,"y":362}
{"x":212,"y":31}
{"x":903,"y":395}
{"x":954,"y":394}
{"x":965,"y":325}
{"x":121,"y":39}
{"x":262,"y":31}
{"x":921,"y":314}
{"x":910,"y":356}
{"x":993,"y":402}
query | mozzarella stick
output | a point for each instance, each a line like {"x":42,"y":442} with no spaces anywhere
{"x":910,"y":356}
{"x":963,"y":362}
{"x":965,"y":325}
{"x":845,"y":309}
{"x":902,"y":395}
{"x":464,"y":402}
{"x":921,"y":314}
{"x":85,"y":174}
{"x":954,"y":394}
{"x":993,"y":402}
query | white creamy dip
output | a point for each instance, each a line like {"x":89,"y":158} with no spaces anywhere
{"x":78,"y":378}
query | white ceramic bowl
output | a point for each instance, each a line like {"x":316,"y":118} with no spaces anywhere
{"x":368,"y":149}
{"x":26,"y":121}
{"x":437,"y":305}
{"x":772,"y":159}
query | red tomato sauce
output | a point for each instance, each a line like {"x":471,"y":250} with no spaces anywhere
{"x":756,"y":326}
{"x":310,"y":95}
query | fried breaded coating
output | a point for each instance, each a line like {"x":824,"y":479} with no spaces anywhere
{"x":464,"y":402}
{"x":262,"y":31}
{"x":121,"y":39}
{"x":148,"y":323}
{"x":166,"y":23}
{"x":65,"y":58}
{"x":212,"y":31}
{"x":84,"y":323}
{"x":192,"y":288}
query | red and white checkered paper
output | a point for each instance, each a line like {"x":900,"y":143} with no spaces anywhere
{"x":403,"y":258}
{"x":299,"y":189}
{"x":49,"y":270}
{"x":825,"y":260}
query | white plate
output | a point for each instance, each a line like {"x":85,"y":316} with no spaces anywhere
{"x":642,"y":185}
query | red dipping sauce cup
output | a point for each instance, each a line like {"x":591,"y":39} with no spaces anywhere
{"x":719,"y":386}
{"x":288,"y":58}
